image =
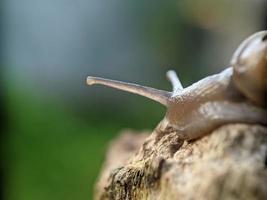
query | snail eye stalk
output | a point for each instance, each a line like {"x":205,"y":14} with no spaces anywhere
{"x":160,"y":96}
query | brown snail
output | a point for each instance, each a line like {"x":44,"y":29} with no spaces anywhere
{"x":237,"y":94}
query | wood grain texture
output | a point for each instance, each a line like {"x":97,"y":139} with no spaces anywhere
{"x":229,"y":163}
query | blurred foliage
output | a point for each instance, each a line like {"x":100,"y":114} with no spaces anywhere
{"x":50,"y":153}
{"x":53,"y":154}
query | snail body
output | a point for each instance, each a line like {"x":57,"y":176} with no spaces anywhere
{"x":236,"y":95}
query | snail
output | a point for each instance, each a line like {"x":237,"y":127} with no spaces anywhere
{"x":236,"y":95}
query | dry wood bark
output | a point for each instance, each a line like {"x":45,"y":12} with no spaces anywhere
{"x":229,"y":163}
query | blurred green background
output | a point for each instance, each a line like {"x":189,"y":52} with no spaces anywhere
{"x":54,"y":129}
